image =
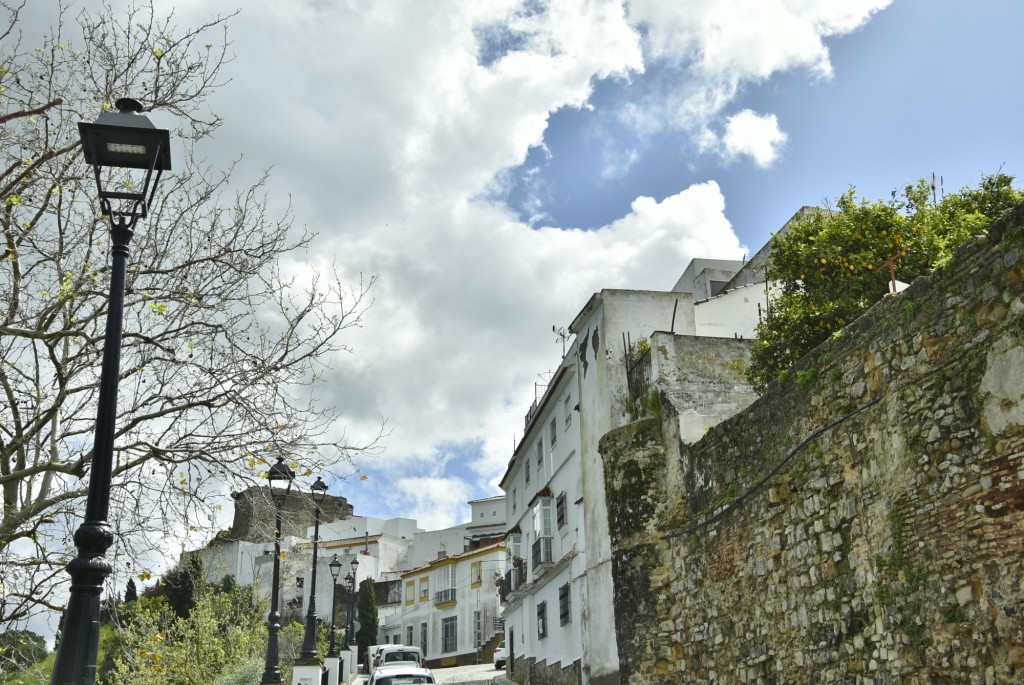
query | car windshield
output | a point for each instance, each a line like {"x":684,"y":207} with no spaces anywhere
{"x":401,"y":656}
{"x":405,"y":680}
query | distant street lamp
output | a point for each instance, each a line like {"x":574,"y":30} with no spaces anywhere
{"x":351,"y":579}
{"x":335,"y":567}
{"x":277,"y":473}
{"x":309,"y":653}
{"x":124,"y":139}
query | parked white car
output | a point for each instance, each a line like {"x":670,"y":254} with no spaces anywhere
{"x":500,"y":655}
{"x":401,"y":673}
{"x":403,"y":654}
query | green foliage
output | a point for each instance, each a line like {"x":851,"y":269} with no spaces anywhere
{"x":830,"y":267}
{"x":366,"y":613}
{"x":39,"y":672}
{"x":180,"y":585}
{"x":652,"y":404}
{"x":638,"y":349}
{"x":245,"y":672}
{"x":20,"y":649}
{"x":34,"y":674}
{"x":806,"y":378}
{"x":156,"y":646}
{"x":131,"y":592}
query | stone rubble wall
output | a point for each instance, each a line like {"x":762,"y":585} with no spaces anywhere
{"x":528,"y":671}
{"x":863,"y":522}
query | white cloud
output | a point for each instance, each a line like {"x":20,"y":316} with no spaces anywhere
{"x":717,"y":45}
{"x":435,"y":503}
{"x":386,"y":130}
{"x":755,"y":135}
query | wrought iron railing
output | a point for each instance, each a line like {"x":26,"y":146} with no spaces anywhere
{"x":542,"y":552}
{"x":638,"y":375}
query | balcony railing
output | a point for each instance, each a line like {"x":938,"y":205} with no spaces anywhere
{"x":542,"y":553}
{"x":444,"y":596}
{"x":514,"y":579}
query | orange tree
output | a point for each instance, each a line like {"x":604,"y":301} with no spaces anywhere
{"x":832,"y":264}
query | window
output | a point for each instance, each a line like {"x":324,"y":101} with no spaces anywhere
{"x":564,"y":614}
{"x":568,"y":413}
{"x":542,"y":517}
{"x":560,"y":514}
{"x":449,"y":573}
{"x":449,"y":634}
{"x":410,"y":592}
{"x":424,"y":589}
{"x":515,"y":542}
{"x":527,"y":467}
{"x":478,"y":629}
{"x":423,"y":638}
{"x":553,"y":432}
{"x":408,"y":635}
{"x":446,"y":585}
{"x":540,"y":453}
{"x":513,"y":500}
{"x":542,"y":620}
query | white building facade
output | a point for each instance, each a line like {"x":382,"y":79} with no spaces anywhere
{"x":559,"y":616}
{"x":542,"y":589}
{"x":450,"y":608}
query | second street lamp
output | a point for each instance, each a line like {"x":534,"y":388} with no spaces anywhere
{"x":278,"y":472}
{"x":350,"y":626}
{"x":335,"y":567}
{"x":319,"y":491}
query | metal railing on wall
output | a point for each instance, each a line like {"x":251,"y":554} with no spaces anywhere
{"x":638,"y":367}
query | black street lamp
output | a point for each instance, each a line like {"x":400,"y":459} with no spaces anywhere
{"x":335,"y":566}
{"x":351,"y":579}
{"x":308,"y":652}
{"x":125,"y":139}
{"x":277,"y":473}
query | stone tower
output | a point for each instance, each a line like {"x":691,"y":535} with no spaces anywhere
{"x":254,"y":513}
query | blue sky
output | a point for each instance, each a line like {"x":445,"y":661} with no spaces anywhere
{"x":495,"y":163}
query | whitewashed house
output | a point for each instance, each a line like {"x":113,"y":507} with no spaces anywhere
{"x":543,"y":588}
{"x":559,"y":613}
{"x":450,"y":607}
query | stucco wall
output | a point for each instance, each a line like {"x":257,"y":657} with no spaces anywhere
{"x":861,"y":523}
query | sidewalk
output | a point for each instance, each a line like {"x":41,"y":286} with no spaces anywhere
{"x":502,"y":679}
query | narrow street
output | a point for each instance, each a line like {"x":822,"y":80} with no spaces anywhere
{"x":477,"y":674}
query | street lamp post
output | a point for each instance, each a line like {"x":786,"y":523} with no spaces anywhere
{"x":335,"y":567}
{"x":335,"y":666}
{"x":125,"y":139}
{"x":351,"y":579}
{"x":309,"y":653}
{"x":278,"y":472}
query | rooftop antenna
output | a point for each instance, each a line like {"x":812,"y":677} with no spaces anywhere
{"x":560,"y":334}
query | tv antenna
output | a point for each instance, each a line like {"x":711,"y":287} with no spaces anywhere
{"x":942,"y":189}
{"x":560,"y":334}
